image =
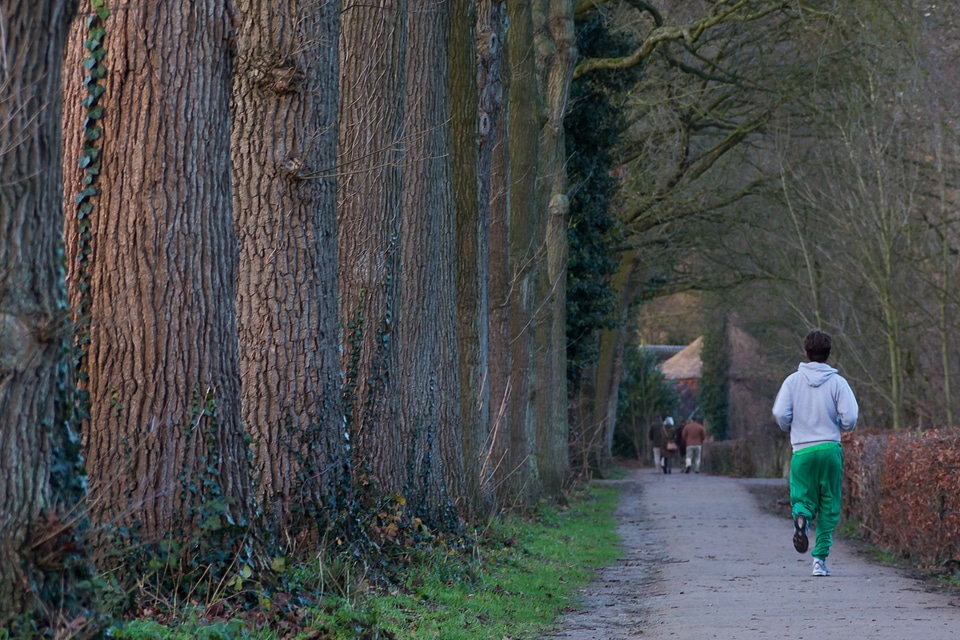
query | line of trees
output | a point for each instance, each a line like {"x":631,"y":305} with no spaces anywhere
{"x":315,"y":265}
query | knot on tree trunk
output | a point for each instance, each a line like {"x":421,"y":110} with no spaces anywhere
{"x":275,"y":73}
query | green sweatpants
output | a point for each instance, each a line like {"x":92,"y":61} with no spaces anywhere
{"x":816,"y":479}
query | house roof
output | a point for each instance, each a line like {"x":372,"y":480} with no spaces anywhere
{"x":686,"y":364}
{"x":662,"y":351}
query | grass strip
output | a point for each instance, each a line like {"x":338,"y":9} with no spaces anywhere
{"x":527,"y":572}
{"x":522,"y":573}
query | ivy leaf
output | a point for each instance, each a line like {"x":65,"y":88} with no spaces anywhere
{"x":93,"y":133}
{"x":84,"y":161}
{"x":95,"y":113}
{"x":86,"y":193}
{"x":96,"y":4}
{"x":104,"y":13}
{"x":84,"y":210}
{"x":95,"y":90}
{"x":98,"y":72}
{"x":89,"y":63}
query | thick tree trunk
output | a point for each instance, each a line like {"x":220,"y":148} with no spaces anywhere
{"x":164,"y":445}
{"x":397,"y":245}
{"x":427,"y":320}
{"x":370,"y":157}
{"x":284,"y":156}
{"x":34,"y":369}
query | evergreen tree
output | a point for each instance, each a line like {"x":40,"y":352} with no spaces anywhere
{"x":715,"y":380}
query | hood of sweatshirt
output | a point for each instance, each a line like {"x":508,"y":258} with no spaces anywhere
{"x":816,"y":373}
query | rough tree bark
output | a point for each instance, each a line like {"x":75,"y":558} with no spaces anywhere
{"x":427,"y":320}
{"x":496,"y":459}
{"x":476,"y":53}
{"x":557,"y":54}
{"x":164,"y":443}
{"x":472,"y":244}
{"x":34,"y":367}
{"x":517,"y":474}
{"x":370,"y":157}
{"x":284,"y":135}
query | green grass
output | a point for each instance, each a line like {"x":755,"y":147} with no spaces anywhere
{"x":522,"y":573}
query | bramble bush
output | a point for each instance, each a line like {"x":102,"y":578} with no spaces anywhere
{"x":903,"y":490}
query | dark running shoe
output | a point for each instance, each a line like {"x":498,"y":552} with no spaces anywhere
{"x":800,"y":540}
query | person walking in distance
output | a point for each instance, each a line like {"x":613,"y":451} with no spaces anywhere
{"x":694,"y":435}
{"x":814,"y":405}
{"x":656,"y":439}
{"x":668,"y":445}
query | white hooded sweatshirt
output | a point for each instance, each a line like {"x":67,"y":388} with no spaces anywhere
{"x":814,"y":405}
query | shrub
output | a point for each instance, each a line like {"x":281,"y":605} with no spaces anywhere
{"x":902,"y":489}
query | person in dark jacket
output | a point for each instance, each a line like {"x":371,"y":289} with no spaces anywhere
{"x":659,"y":443}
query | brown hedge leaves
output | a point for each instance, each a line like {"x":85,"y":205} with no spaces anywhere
{"x":903,"y":488}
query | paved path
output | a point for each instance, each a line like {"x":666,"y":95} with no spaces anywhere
{"x":701,"y":560}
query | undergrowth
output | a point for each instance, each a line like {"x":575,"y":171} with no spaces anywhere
{"x":513,"y":581}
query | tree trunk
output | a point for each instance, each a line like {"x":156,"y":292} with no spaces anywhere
{"x":556,"y":36}
{"x":34,"y":372}
{"x":609,"y":366}
{"x":164,"y":445}
{"x":496,"y":460}
{"x":472,"y":244}
{"x":427,"y":319}
{"x":397,"y":262}
{"x":370,"y":159}
{"x":476,"y":94}
{"x":284,"y":154}
{"x":517,"y":478}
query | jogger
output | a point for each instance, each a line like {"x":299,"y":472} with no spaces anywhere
{"x":814,"y":405}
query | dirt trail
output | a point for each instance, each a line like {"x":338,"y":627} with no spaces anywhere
{"x":702,"y":560}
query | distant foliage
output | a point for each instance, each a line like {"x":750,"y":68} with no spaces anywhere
{"x":645,"y":396}
{"x":715,"y":381}
{"x":592,"y":127}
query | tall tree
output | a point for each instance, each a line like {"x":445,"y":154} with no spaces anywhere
{"x":496,"y":460}
{"x":34,"y":363}
{"x":369,"y":155}
{"x":555,"y":35}
{"x":427,"y":347}
{"x":516,"y":470}
{"x":284,"y":135}
{"x":476,"y":95}
{"x":164,"y":447}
